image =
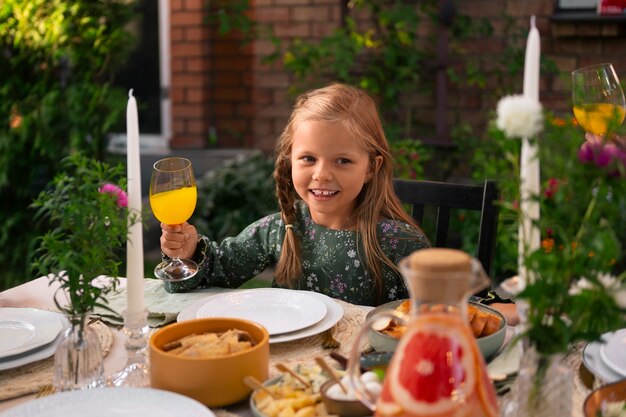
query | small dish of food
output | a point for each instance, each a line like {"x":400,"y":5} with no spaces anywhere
{"x":488,"y":326}
{"x":207,"y":359}
{"x":288,"y":395}
{"x":607,"y":401}
{"x":345,"y":403}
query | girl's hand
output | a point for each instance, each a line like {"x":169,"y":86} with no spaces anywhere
{"x":179,"y":241}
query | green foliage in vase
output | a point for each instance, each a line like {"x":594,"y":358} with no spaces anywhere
{"x":87,"y":208}
{"x":56,"y":97}
{"x":576,"y":288}
{"x":235,"y":194}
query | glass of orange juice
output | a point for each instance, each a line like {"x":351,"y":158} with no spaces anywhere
{"x":598,"y":99}
{"x":173,"y":197}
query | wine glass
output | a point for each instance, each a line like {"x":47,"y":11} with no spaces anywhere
{"x":598,"y":99}
{"x":173,"y":197}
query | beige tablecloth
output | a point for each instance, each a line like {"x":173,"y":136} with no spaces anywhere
{"x":163,"y":308}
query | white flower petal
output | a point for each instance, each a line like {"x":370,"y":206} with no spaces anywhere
{"x":519,"y":116}
{"x":620,"y":298}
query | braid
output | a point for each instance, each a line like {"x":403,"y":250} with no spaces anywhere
{"x":289,"y":266}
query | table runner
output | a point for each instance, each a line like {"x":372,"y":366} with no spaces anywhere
{"x":30,"y":378}
{"x":163,"y":307}
{"x":304,"y":351}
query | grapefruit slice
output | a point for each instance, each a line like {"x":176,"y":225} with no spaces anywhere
{"x":484,"y":387}
{"x":386,"y":406}
{"x":433,"y":372}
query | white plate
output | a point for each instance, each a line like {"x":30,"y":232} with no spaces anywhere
{"x":333,"y":315}
{"x":593,"y":361}
{"x":613,"y":352}
{"x":278,"y":310}
{"x":25,"y":329}
{"x":34,"y":355}
{"x":111,"y":402}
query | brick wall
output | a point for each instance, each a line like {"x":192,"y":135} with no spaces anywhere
{"x":222,"y":87}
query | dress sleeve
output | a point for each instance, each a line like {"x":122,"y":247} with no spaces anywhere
{"x":236,"y":259}
{"x":398,"y":241}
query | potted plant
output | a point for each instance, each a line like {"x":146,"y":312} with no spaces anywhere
{"x":85,"y":208}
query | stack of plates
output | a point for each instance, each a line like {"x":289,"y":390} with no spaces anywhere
{"x":607,"y":359}
{"x":28,"y":335}
{"x":286,"y":314}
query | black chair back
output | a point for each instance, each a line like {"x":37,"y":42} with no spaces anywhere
{"x":444,"y":197}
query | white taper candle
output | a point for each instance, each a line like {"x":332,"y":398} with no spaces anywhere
{"x":134,"y":245}
{"x":529,"y":236}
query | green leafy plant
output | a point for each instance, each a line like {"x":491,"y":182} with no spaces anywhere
{"x":234,"y":195}
{"x":410,"y":157}
{"x":576,"y":285}
{"x":56,"y":97}
{"x":87,"y":208}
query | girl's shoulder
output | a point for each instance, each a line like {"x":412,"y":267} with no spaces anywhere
{"x":388,"y":226}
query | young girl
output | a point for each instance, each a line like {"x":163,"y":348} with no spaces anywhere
{"x":341,"y":229}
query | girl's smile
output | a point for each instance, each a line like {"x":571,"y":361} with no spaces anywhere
{"x":323,"y":194}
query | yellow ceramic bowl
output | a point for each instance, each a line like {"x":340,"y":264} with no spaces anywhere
{"x":217,"y":381}
{"x":601,"y":397}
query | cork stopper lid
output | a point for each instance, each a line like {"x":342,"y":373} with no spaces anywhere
{"x":438,"y":274}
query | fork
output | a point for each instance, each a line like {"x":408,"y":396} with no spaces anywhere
{"x":45,"y":391}
{"x":329,"y":341}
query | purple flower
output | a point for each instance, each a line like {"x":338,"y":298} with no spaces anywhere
{"x":114,"y":190}
{"x":603,"y":156}
{"x":585,"y":153}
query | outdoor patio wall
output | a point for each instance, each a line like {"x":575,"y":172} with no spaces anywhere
{"x":222,"y":91}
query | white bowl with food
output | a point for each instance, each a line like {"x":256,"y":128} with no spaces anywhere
{"x":487,"y":324}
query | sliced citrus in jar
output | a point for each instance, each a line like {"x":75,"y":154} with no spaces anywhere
{"x":386,"y":405}
{"x":433,"y":373}
{"x":485,"y":390}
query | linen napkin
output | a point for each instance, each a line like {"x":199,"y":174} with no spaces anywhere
{"x":163,"y":307}
{"x":507,"y":362}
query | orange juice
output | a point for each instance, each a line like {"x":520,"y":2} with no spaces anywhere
{"x":598,"y":118}
{"x":175,"y":206}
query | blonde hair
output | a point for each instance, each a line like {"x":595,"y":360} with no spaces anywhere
{"x":358,"y":114}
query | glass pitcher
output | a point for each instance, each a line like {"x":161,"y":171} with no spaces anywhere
{"x":437,"y":368}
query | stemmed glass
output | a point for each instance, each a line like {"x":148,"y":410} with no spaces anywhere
{"x":598,"y":99}
{"x":173,"y":197}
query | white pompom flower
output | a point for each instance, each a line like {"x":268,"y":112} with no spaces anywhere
{"x":519,"y":116}
{"x":608,"y":283}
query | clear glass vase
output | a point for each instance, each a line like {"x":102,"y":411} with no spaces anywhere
{"x":78,"y":361}
{"x":543,"y":388}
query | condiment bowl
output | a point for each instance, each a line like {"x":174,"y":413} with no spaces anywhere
{"x":214,"y":381}
{"x":343,"y":408}
{"x":601,"y":397}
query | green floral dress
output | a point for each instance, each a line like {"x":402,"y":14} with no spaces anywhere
{"x":331,"y":259}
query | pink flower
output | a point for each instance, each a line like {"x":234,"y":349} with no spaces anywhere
{"x":585,"y":153}
{"x":114,"y":190}
{"x":603,"y":152}
{"x":551,"y":188}
{"x":603,"y":156}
